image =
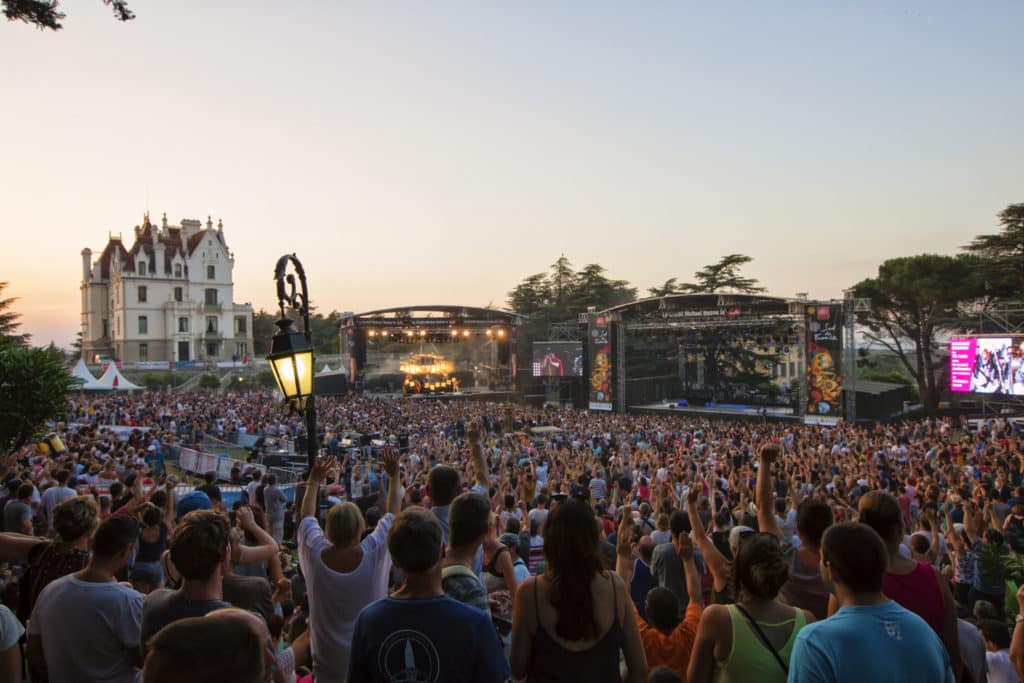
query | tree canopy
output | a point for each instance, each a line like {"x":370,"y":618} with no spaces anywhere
{"x":34,"y":386}
{"x":723,"y":276}
{"x":46,"y":14}
{"x":913,"y":301}
{"x":1002,"y":255}
{"x":562,"y":292}
{"x":324,"y":328}
{"x":9,"y":321}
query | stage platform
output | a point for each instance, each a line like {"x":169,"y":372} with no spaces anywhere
{"x":470,"y":395}
{"x":729,"y":410}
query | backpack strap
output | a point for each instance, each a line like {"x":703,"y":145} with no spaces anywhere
{"x":457,"y":570}
{"x":764,"y":638}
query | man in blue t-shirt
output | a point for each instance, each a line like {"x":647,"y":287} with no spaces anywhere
{"x":419,"y":633}
{"x":870,"y":638}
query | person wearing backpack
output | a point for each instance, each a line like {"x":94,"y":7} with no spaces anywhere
{"x":468,"y":521}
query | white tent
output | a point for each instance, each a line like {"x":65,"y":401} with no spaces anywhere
{"x":326,"y":370}
{"x":112,"y":380}
{"x":81,"y":373}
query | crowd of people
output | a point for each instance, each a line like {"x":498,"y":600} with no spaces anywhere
{"x":461,"y":543}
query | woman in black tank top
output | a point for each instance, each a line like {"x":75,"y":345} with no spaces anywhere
{"x":579,"y":593}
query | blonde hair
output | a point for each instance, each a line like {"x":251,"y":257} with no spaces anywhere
{"x":345,"y":524}
{"x":75,"y":517}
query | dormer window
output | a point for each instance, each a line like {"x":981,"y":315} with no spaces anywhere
{"x":211,"y":272}
{"x":142,"y":268}
{"x":177,"y":270}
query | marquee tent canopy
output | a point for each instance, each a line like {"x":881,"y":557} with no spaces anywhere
{"x":111,"y":380}
{"x":81,"y":373}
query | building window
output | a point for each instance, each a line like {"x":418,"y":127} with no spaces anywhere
{"x":211,"y":272}
{"x":211,"y":297}
{"x":242,"y":350}
{"x":142,"y":295}
{"x":143,"y":325}
{"x":142,"y":267}
{"x":182,"y":324}
{"x":211,"y":324}
{"x":143,"y":352}
{"x":211,"y":350}
{"x":177,"y":270}
{"x":178,"y":294}
{"x":240,"y":326}
{"x":106,"y":328}
{"x":792,"y":369}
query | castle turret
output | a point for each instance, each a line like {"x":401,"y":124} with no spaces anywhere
{"x":86,"y":264}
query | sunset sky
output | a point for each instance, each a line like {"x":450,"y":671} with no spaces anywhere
{"x":424,"y":153}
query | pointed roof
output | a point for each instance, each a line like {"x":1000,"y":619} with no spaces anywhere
{"x":111,"y":380}
{"x":81,"y":373}
{"x":326,"y":370}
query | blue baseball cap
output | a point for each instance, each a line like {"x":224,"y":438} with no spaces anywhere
{"x":196,"y":500}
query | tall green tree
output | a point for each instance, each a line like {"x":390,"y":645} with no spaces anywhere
{"x":562,"y":280}
{"x":913,"y":302}
{"x":46,"y":14}
{"x":723,"y":276}
{"x":1002,"y":255}
{"x":562,"y":293}
{"x":9,"y":321}
{"x":670,"y":286}
{"x":34,"y":386}
{"x":262,"y":331}
{"x":532,"y":296}
{"x":326,"y":330}
{"x":590,"y":287}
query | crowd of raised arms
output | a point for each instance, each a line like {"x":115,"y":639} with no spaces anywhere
{"x":606,"y":548}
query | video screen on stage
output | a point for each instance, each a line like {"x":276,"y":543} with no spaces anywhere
{"x":558,"y":359}
{"x":987,"y":365}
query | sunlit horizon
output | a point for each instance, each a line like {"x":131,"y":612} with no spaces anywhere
{"x":439,"y":155}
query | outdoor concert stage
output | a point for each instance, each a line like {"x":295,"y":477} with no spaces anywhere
{"x":428,"y":350}
{"x":718,"y":410}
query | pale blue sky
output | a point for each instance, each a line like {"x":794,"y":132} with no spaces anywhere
{"x":440,"y":152}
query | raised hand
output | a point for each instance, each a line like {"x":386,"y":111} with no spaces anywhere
{"x":694,"y":494}
{"x":244,"y":517}
{"x":321,"y":467}
{"x":390,"y":457}
{"x":474,"y":432}
{"x":684,"y":547}
{"x":624,"y":541}
{"x":770,"y":453}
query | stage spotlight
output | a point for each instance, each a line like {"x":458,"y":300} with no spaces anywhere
{"x":455,"y":333}
{"x":465,"y":333}
{"x":372,"y":333}
{"x":501,"y":333}
{"x":423,"y":333}
{"x":489,"y":333}
{"x":408,"y":333}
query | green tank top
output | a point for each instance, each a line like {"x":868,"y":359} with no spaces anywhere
{"x":756,"y":662}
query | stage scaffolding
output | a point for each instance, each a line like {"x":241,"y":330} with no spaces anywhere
{"x":688,"y":318}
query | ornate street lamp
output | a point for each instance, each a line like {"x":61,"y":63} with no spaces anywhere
{"x":291,"y":352}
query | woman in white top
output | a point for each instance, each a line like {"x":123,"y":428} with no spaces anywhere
{"x":343,"y":574}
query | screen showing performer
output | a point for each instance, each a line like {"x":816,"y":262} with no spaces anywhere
{"x":987,"y":365}
{"x":557,"y":359}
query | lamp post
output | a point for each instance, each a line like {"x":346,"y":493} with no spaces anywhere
{"x":291,"y":352}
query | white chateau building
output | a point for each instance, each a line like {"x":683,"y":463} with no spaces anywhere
{"x":168,"y":297}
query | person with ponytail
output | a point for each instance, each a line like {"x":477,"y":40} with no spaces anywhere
{"x":571,"y":622}
{"x":752,"y":639}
